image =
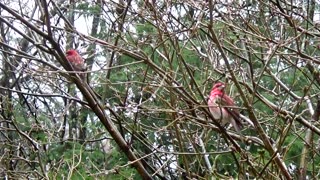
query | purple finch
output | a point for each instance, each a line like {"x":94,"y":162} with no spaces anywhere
{"x":76,"y":62}
{"x":222,"y":107}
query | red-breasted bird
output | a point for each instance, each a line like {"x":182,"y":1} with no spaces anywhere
{"x":222,"y":107}
{"x":77,"y":62}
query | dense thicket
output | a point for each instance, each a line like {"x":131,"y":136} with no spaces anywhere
{"x":151,"y":65}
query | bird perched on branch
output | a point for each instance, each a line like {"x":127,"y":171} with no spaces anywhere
{"x":76,"y":62}
{"x":222,"y":107}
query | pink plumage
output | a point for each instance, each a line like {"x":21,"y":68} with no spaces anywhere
{"x":76,"y":61}
{"x":222,"y":107}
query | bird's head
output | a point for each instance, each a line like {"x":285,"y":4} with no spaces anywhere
{"x":71,"y":52}
{"x":219,"y":86}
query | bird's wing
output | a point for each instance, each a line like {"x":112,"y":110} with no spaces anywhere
{"x":228,"y":104}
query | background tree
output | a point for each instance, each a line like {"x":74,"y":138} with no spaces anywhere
{"x":151,"y":66}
